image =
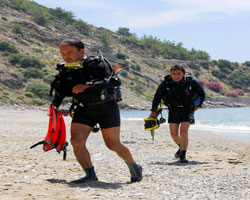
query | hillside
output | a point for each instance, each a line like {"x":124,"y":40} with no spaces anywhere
{"x":29,"y":39}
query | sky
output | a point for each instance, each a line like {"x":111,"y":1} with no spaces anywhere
{"x":219,"y":27}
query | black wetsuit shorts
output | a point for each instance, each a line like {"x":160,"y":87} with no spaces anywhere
{"x":106,"y":114}
{"x":177,"y":116}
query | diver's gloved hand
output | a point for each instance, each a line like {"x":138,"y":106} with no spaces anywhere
{"x":153,"y":114}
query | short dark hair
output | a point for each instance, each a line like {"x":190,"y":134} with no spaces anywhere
{"x":76,"y":43}
{"x":177,"y":67}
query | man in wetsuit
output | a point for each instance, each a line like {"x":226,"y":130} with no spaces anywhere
{"x":95,"y":104}
{"x":182,"y":95}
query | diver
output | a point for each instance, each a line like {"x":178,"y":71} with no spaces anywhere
{"x":182,"y":95}
{"x":93,"y":84}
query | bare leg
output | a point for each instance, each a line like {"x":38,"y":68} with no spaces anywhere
{"x":111,"y":138}
{"x":184,"y":135}
{"x":79,"y":135}
{"x":174,"y":129}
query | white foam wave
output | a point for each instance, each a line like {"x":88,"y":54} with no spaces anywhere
{"x":132,"y":118}
{"x":202,"y":126}
{"x":222,"y":128}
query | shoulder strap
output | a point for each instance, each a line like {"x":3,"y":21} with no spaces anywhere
{"x":189,"y":79}
{"x":168,"y":80}
{"x":61,"y":68}
{"x":99,"y":59}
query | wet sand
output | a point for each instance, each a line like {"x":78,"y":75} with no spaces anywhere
{"x":219,"y":168}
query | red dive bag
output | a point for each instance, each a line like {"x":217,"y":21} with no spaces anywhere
{"x":56,"y":135}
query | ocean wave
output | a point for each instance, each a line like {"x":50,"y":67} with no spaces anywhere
{"x":225,"y":128}
{"x":132,"y":118}
{"x":222,"y":128}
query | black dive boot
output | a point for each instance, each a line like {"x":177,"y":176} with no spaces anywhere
{"x":183,"y":156}
{"x":178,"y":153}
{"x":135,"y":171}
{"x":90,"y":176}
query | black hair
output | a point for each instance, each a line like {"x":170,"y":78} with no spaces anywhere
{"x":177,"y":67}
{"x":76,"y":43}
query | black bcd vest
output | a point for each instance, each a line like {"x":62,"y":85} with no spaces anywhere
{"x":178,"y":94}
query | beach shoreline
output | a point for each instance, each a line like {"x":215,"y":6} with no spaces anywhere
{"x":219,"y":167}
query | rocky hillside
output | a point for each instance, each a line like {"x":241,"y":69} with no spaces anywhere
{"x":29,"y":39}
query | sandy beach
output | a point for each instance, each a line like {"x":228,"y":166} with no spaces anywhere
{"x":219,"y":168}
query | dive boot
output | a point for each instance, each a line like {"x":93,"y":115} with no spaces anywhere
{"x":90,"y":176}
{"x":135,"y":171}
{"x":177,"y":154}
{"x":183,"y":160}
{"x":183,"y":156}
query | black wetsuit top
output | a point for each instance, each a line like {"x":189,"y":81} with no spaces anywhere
{"x":176,"y":93}
{"x":93,"y":70}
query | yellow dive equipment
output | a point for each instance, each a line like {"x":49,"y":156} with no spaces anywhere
{"x":151,"y":123}
{"x":73,"y":65}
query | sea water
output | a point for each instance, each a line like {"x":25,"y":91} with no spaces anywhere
{"x":233,"y":123}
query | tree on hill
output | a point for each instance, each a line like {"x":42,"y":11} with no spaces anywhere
{"x":123,"y":31}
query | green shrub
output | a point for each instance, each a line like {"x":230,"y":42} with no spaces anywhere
{"x":15,"y":58}
{"x":240,"y":79}
{"x":26,"y":61}
{"x":65,"y":16}
{"x":123,"y":31}
{"x":48,"y":79}
{"x":247,"y":63}
{"x":153,"y":64}
{"x":225,"y":65}
{"x":82,"y":27}
{"x":131,"y":40}
{"x":136,"y":68}
{"x":205,"y":65}
{"x":38,"y":102}
{"x":105,"y":40}
{"x":32,"y":73}
{"x":24,"y":6}
{"x":121,"y":56}
{"x":235,"y":65}
{"x":214,"y":62}
{"x":7,"y":47}
{"x":29,"y":94}
{"x":197,"y":73}
{"x":31,"y":61}
{"x":219,"y":74}
{"x":194,"y":66}
{"x":46,"y":71}
{"x":4,"y":18}
{"x":17,"y":29}
{"x":202,"y":55}
{"x":38,"y":89}
{"x":40,"y":18}
{"x":6,"y":53}
{"x":20,"y":97}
